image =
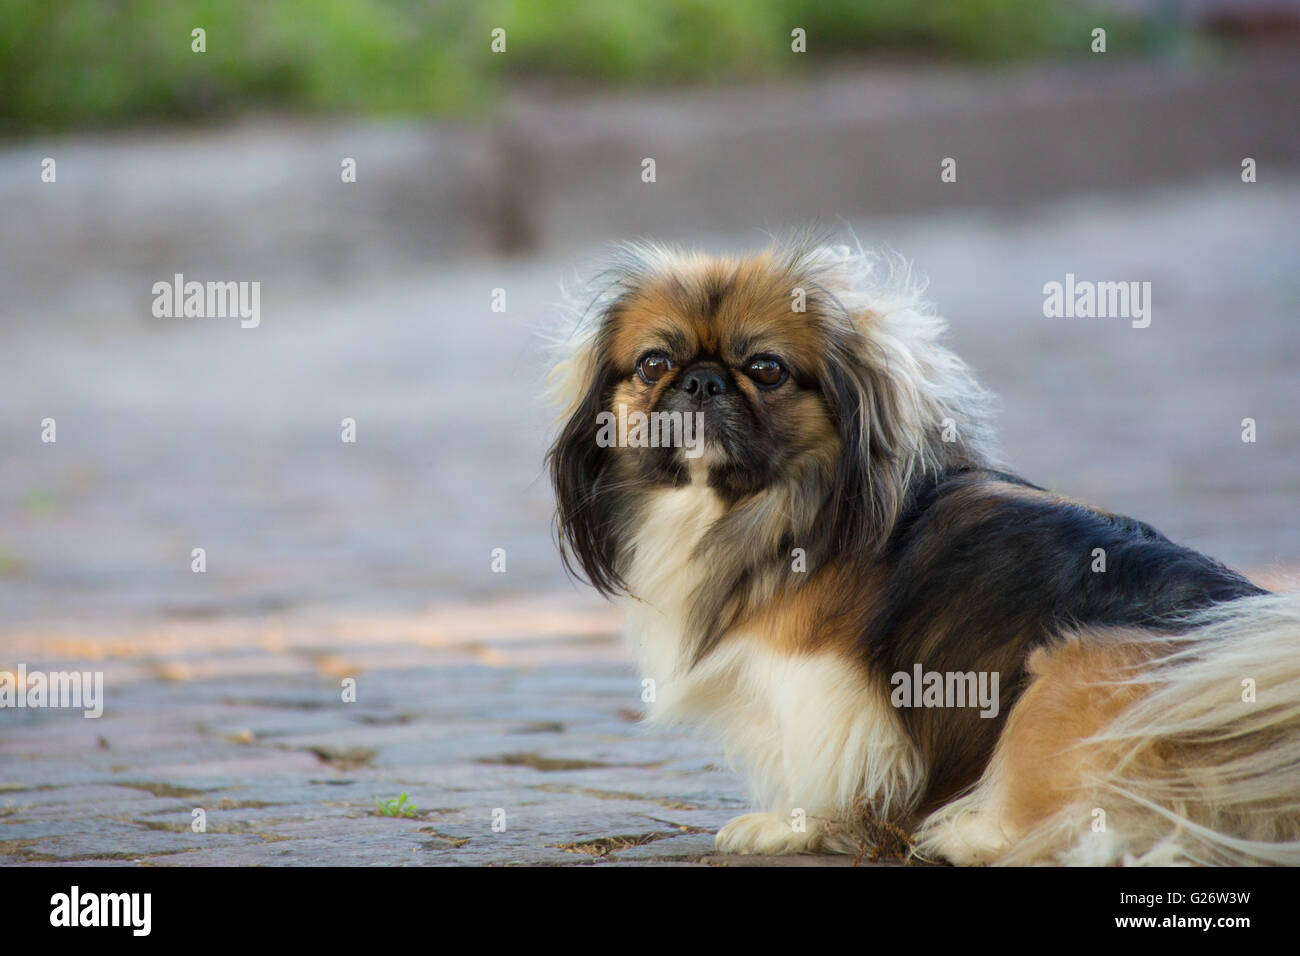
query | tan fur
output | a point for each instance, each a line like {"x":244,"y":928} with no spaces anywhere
{"x":1079,"y":687}
{"x":1045,"y":754}
{"x":1136,"y":749}
{"x":804,"y":621}
{"x":1026,"y":493}
{"x":757,"y":307}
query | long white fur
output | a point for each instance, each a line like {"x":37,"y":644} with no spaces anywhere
{"x":811,"y":732}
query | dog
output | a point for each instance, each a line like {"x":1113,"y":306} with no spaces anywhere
{"x":884,"y":627}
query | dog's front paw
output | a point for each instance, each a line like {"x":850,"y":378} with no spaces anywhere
{"x":963,"y":839}
{"x":768,"y":834}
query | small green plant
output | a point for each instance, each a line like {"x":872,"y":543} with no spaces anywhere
{"x":396,"y":808}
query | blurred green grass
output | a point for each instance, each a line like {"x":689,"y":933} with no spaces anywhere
{"x":71,"y":63}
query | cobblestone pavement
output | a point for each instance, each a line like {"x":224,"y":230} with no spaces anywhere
{"x":479,"y":691}
{"x":511,"y":735}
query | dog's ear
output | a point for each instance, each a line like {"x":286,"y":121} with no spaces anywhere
{"x":904,"y":404}
{"x":570,"y":378}
{"x":585,"y":503}
{"x":854,"y":511}
{"x":883,"y":442}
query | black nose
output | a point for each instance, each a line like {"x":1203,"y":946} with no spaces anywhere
{"x":703,"y":382}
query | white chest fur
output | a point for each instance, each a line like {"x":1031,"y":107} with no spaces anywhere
{"x":811,"y":730}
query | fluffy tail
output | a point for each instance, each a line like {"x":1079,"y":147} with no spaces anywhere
{"x":1203,"y":768}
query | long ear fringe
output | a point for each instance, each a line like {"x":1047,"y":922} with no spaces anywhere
{"x":906,"y":405}
{"x":879,"y":296}
{"x":585,"y":509}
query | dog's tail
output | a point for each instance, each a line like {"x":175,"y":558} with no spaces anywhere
{"x":1204,"y":767}
{"x":1200,"y":764}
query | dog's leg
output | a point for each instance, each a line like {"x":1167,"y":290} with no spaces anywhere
{"x":1042,"y":760}
{"x":826,"y":745}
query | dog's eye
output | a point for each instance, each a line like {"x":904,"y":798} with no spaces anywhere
{"x":767,"y":372}
{"x":653,"y":366}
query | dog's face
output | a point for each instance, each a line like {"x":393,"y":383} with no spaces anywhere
{"x":814,"y":409}
{"x":718,"y":341}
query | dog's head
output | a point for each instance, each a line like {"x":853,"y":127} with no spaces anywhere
{"x":803,"y":391}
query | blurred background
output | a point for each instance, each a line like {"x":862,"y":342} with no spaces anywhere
{"x":418,"y":559}
{"x":479,"y":170}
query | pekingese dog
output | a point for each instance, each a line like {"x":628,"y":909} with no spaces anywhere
{"x":791,"y":483}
